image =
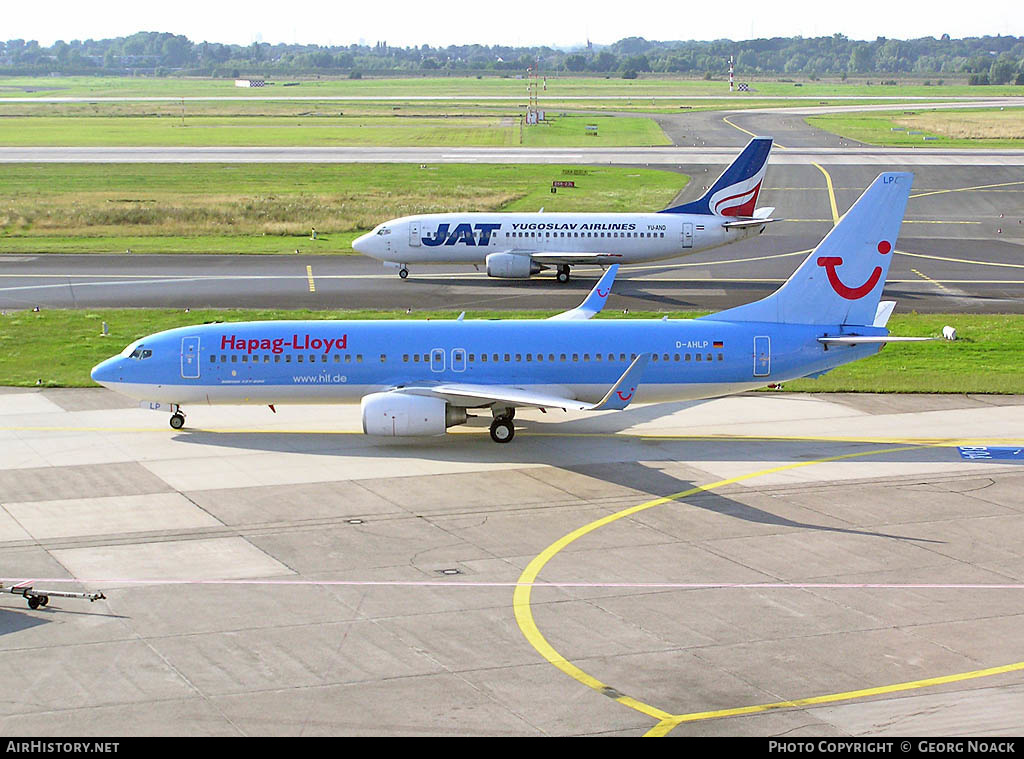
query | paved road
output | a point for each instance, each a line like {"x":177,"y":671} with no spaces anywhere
{"x":655,"y":156}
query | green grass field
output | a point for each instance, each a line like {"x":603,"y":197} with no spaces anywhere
{"x":952,"y":128}
{"x":271,"y":208}
{"x":326,"y":131}
{"x":57,"y":348}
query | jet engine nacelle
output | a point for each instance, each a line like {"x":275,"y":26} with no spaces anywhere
{"x":511,"y":266}
{"x":402,"y":415}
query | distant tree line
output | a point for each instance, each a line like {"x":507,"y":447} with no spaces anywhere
{"x":982,"y":60}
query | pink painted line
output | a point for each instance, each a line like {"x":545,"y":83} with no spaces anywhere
{"x":473,"y":584}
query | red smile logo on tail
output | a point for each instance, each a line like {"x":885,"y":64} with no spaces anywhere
{"x":625,"y":396}
{"x":852,"y":293}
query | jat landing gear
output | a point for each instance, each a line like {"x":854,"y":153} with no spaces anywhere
{"x":563,"y":273}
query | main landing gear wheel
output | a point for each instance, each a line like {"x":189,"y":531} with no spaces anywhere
{"x":177,"y":420}
{"x":563,"y":274}
{"x":502,"y":430}
{"x":403,"y":272}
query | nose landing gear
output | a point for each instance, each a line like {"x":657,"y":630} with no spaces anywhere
{"x":177,"y":418}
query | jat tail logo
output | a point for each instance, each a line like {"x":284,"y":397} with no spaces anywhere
{"x":466,"y":234}
{"x":829,"y":263}
{"x":736,"y":200}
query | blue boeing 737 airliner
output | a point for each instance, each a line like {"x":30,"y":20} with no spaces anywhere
{"x":421,"y":377}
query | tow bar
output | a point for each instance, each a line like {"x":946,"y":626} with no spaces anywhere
{"x":37,"y":598}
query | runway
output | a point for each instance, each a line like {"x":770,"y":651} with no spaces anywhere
{"x":284,"y":575}
{"x":959,"y":251}
{"x":642,"y":156}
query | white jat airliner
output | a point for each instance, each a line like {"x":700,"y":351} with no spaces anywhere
{"x":517,"y":245}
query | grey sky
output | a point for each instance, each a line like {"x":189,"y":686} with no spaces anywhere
{"x":527,"y":22}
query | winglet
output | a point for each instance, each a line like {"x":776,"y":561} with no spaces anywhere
{"x":622,"y":392}
{"x":594,"y":302}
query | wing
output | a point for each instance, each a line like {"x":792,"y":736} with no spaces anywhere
{"x":576,"y":259}
{"x":478,"y":396}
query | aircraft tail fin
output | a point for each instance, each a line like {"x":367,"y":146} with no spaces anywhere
{"x":735,"y":192}
{"x":841,"y":281}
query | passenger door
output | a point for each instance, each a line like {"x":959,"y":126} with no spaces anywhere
{"x":190,"y":358}
{"x":762,"y":356}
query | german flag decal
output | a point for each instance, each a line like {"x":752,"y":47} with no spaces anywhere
{"x":717,"y":344}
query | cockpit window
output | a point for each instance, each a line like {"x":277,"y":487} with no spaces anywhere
{"x":383,"y":231}
{"x":140,"y":353}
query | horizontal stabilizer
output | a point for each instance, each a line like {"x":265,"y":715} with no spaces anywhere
{"x":870,"y":339}
{"x":743,"y":223}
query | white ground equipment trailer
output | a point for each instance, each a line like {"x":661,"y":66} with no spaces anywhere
{"x":39,"y":597}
